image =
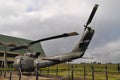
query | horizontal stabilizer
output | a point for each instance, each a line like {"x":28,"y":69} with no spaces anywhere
{"x":55,"y":60}
{"x":87,"y":57}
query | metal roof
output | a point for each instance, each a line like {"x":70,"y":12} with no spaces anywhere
{"x":19,"y":41}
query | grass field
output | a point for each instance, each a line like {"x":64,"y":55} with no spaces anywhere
{"x":88,"y":71}
{"x":81,"y":71}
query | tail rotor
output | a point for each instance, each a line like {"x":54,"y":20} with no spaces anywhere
{"x":91,"y":17}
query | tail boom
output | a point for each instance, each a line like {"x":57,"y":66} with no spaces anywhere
{"x":77,"y":52}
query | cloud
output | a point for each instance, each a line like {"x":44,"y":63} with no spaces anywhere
{"x":35,"y":19}
{"x":106,"y":53}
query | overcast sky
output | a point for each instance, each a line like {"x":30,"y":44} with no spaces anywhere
{"x":35,"y":19}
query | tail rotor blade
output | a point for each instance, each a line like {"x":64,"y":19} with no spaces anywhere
{"x":92,"y":15}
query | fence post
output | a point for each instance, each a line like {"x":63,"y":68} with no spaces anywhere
{"x":118,"y":68}
{"x":68,"y":70}
{"x":106,"y":72}
{"x":5,"y":73}
{"x":57,"y":71}
{"x":48,"y":70}
{"x":37,"y":72}
{"x":92,"y":67}
{"x":10,"y":73}
{"x":84,"y":72}
{"x":72,"y":78}
{"x":20,"y":74}
{"x":0,"y":72}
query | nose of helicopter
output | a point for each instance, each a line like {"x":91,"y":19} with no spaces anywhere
{"x":24,"y":63}
{"x":16,"y":63}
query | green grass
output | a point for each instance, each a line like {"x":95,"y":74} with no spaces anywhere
{"x":99,"y":71}
{"x":78,"y":70}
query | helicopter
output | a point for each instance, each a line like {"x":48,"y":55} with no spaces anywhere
{"x":29,"y":61}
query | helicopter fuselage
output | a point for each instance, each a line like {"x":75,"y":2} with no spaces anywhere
{"x":29,"y":63}
{"x":25,"y":63}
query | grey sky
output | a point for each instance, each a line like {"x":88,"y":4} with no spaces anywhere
{"x":35,"y":19}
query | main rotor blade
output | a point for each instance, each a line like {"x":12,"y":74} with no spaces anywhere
{"x":19,"y":47}
{"x":92,"y":15}
{"x":12,"y":44}
{"x":45,"y":39}
{"x":55,"y":37}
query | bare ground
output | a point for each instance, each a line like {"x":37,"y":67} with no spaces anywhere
{"x":15,"y":76}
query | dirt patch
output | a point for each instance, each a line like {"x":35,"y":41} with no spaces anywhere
{"x":15,"y":76}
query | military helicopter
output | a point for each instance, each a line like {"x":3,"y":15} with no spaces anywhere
{"x":29,"y":61}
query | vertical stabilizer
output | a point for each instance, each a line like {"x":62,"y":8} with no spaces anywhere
{"x":84,"y":42}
